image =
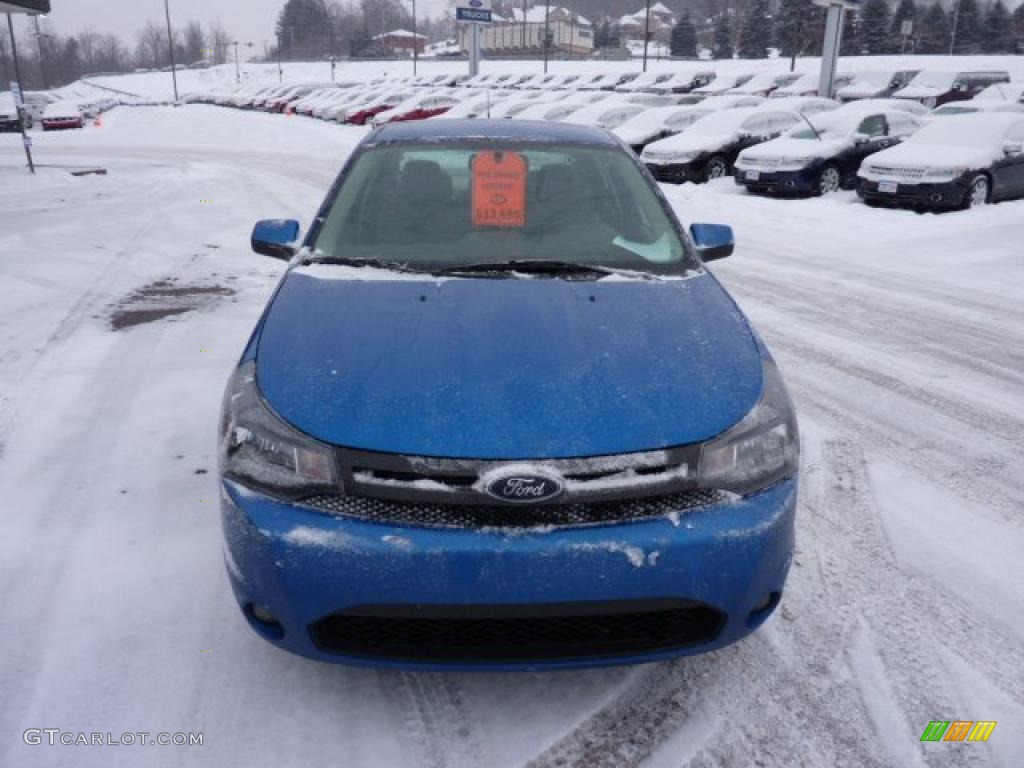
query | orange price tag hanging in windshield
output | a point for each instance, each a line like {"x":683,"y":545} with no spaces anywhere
{"x":499,"y":189}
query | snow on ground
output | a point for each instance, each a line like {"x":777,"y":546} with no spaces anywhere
{"x":901,"y":337}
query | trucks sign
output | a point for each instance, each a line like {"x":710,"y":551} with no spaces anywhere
{"x":473,"y":10}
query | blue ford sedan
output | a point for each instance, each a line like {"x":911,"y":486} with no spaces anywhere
{"x":498,"y":415}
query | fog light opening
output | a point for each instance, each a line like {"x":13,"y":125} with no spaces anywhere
{"x":790,"y":183}
{"x":936,"y":197}
{"x":763,"y":609}
{"x":264,"y":621}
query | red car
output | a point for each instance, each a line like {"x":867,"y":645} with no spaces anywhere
{"x":418,"y":108}
{"x":62,"y":115}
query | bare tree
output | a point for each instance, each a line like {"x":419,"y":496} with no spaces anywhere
{"x":194,"y":42}
{"x":219,"y":40}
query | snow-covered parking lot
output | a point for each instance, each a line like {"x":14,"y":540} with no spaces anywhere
{"x":127,"y":299}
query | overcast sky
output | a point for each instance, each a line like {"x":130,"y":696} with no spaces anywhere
{"x":246,"y":20}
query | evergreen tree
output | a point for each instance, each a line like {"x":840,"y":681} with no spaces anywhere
{"x":968,"y":25}
{"x":874,"y":19}
{"x":997,"y":30}
{"x":614,"y":36}
{"x":1018,"y":27}
{"x":758,"y":31}
{"x":795,"y":27}
{"x":905,"y":11}
{"x":851,"y":43}
{"x":722,"y":47}
{"x":933,"y":36}
{"x":684,"y":37}
{"x":304,"y":28}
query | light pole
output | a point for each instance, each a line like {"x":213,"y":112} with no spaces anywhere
{"x":238,"y":72}
{"x":18,"y":101}
{"x":547,"y":34}
{"x":170,"y":48}
{"x":956,"y":18}
{"x":415,"y":41}
{"x":647,"y":32}
{"x":42,"y":55}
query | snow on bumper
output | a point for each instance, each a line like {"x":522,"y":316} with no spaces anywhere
{"x":304,"y":566}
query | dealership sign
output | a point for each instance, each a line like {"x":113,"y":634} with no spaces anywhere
{"x":473,"y":10}
{"x":24,"y":6}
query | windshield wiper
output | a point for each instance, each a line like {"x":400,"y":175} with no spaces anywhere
{"x":816,"y":134}
{"x":528,"y":266}
{"x":351,"y":261}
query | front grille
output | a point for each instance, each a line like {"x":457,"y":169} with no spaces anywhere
{"x":511,"y":515}
{"x":900,"y":173}
{"x":762,"y":163}
{"x":516,"y":633}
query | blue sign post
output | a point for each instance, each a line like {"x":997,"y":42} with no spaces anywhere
{"x":833,"y":42}
{"x":475,"y":12}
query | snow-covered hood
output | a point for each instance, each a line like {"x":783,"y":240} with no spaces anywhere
{"x":927,"y":156}
{"x":921,"y":92}
{"x":689,"y":142}
{"x":794,"y":149}
{"x":860,"y":91}
{"x":506,"y":368}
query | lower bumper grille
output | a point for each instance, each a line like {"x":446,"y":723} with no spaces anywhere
{"x":512,"y":516}
{"x":516,"y":633}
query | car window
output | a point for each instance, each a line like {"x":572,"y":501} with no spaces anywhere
{"x":901,"y":125}
{"x":421,"y":205}
{"x":759,"y":125}
{"x":873,"y":126}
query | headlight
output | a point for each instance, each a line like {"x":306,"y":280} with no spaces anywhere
{"x":944,"y":174}
{"x":793,"y":163}
{"x":262,"y":452}
{"x":759,"y":451}
{"x":669,"y":157}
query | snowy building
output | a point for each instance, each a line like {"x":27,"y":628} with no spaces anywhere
{"x":634,"y":24}
{"x":523,"y":33}
{"x":401,"y":41}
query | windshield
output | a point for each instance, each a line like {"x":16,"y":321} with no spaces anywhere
{"x":825,"y":127}
{"x":720,"y":123}
{"x":438,"y":206}
{"x":879,"y":79}
{"x":954,"y":110}
{"x":962,"y":132}
{"x":943,"y":80}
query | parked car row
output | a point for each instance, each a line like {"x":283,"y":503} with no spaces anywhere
{"x":770,"y":130}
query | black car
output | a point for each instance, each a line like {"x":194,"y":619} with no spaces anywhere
{"x":824,"y":153}
{"x":958,"y":162}
{"x":708,"y":148}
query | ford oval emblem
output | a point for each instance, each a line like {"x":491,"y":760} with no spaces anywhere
{"x":528,"y":487}
{"x":475,"y":3}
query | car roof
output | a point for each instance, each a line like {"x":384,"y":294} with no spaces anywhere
{"x":508,"y":130}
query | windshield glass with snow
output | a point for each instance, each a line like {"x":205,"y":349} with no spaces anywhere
{"x":942,"y":80}
{"x":436,"y":206}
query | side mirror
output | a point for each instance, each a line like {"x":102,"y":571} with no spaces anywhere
{"x":1013,"y":148}
{"x":961,"y":87}
{"x":861,"y":138}
{"x":275,"y":238}
{"x":713,"y":241}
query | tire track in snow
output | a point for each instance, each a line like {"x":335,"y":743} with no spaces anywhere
{"x":969,"y":346}
{"x":892,"y":619}
{"x":435,"y":714}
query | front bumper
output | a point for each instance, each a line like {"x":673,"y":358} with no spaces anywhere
{"x":62,"y":125}
{"x":779,"y":182}
{"x":677,"y":173}
{"x":950,"y":194}
{"x":305,"y":567}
